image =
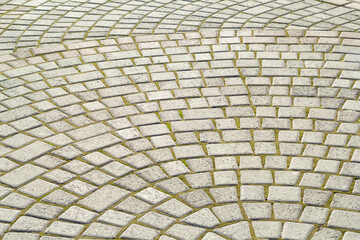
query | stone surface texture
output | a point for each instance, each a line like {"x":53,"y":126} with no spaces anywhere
{"x":179,"y":119}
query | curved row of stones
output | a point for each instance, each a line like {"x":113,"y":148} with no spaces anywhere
{"x":27,"y":24}
{"x":220,"y":135}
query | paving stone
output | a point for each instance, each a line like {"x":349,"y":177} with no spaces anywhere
{"x":38,"y":188}
{"x":30,"y":151}
{"x":296,"y":230}
{"x":197,"y":198}
{"x":104,"y":197}
{"x":190,"y":151}
{"x":21,"y":236}
{"x":133,"y":205}
{"x":257,"y":211}
{"x":44,"y":211}
{"x":269,"y":229}
{"x":101,"y":230}
{"x":78,"y":215}
{"x":185,"y":232}
{"x":229,"y":149}
{"x":156,"y":220}
{"x":285,"y":211}
{"x":239,"y":230}
{"x":327,"y":233}
{"x":22,"y":175}
{"x":344,"y":219}
{"x":65,"y":229}
{"x":29,"y":224}
{"x":286,"y":194}
{"x":202,"y":218}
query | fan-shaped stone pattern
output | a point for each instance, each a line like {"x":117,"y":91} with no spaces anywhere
{"x":32,"y":23}
{"x":231,"y":133}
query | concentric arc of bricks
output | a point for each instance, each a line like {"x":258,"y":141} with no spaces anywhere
{"x":32,"y":23}
{"x":215,"y":134}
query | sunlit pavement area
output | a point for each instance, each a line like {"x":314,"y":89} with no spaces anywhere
{"x":174,"y":119}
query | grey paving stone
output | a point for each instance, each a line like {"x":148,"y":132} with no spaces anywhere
{"x":190,"y":151}
{"x":296,"y":230}
{"x":133,"y":205}
{"x":199,"y":180}
{"x":255,"y":211}
{"x":315,"y":215}
{"x":65,"y":229}
{"x":157,"y":220}
{"x":202,"y":218}
{"x":100,"y":230}
{"x":212,"y":236}
{"x":116,"y":218}
{"x":269,"y":229}
{"x":60,"y":197}
{"x":16,"y":200}
{"x":78,"y":215}
{"x":21,"y":236}
{"x":197,"y":198}
{"x":256,"y":177}
{"x":29,"y":224}
{"x":103,"y":198}
{"x":228,"y":212}
{"x":344,"y":219}
{"x":238,"y":230}
{"x":224,"y":195}
{"x":229,"y":149}
{"x":327,"y":233}
{"x":284,"y":194}
{"x":30,"y":151}
{"x":22,"y":175}
{"x":225,"y":178}
{"x":44,"y":211}
{"x":38,"y":188}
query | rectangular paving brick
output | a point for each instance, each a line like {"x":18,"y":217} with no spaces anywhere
{"x":190,"y":151}
{"x":103,"y":198}
{"x":88,"y":131}
{"x":30,"y":151}
{"x":21,"y":71}
{"x":83,"y":77}
{"x":203,"y":113}
{"x":345,"y":219}
{"x":229,"y":149}
{"x":225,"y":72}
{"x":97,"y":142}
{"x":192,"y":125}
{"x":22,"y":175}
{"x":117,"y":91}
{"x":60,"y":72}
{"x":18,"y":113}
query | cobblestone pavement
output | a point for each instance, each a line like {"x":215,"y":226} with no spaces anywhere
{"x":27,"y":23}
{"x":179,"y":120}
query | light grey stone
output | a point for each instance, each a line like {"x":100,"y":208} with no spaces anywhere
{"x":228,"y":213}
{"x":296,"y":230}
{"x":103,"y":198}
{"x":240,"y":230}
